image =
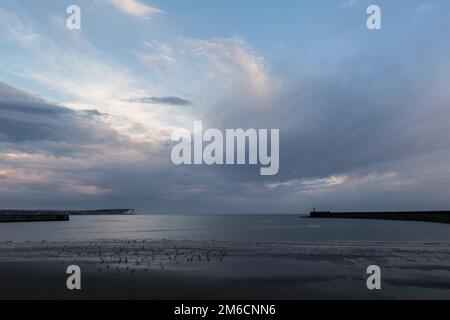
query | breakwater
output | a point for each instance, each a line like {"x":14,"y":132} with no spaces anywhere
{"x":31,"y":216}
{"x":55,"y":215}
{"x":426,"y":216}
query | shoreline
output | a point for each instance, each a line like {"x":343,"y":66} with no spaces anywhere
{"x":175,"y":269}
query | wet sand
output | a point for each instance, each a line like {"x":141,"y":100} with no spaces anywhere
{"x":148,"y":269}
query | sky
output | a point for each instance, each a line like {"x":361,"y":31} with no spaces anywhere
{"x":86,"y":116}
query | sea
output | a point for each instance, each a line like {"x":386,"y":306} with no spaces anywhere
{"x":233,"y":227}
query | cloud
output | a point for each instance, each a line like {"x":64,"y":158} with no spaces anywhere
{"x":27,"y":119}
{"x":135,"y":8}
{"x":175,"y":101}
{"x":62,"y":157}
{"x":230,"y":59}
{"x":8,"y":92}
{"x":349,"y":3}
{"x":35,"y":133}
{"x":93,"y":80}
{"x":158,"y":56}
{"x":346,"y":136}
{"x":14,"y":29}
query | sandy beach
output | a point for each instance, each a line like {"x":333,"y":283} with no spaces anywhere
{"x":172,"y":269}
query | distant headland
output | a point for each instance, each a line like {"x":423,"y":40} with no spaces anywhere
{"x":56,"y":215}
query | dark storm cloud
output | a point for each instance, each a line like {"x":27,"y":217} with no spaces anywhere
{"x":345,"y":121}
{"x":382,"y":129}
{"x":29,"y":123}
{"x":175,"y":101}
{"x":49,"y":129}
{"x":8,"y":92}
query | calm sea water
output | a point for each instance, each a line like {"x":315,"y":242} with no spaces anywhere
{"x":265,"y":228}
